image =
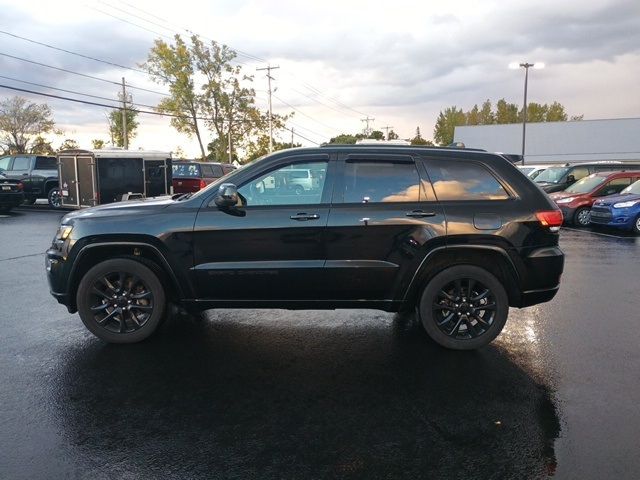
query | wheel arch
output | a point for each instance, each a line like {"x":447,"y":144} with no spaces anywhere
{"x":143,"y":252}
{"x":494,"y":259}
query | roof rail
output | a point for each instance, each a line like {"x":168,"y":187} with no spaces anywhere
{"x":386,"y":145}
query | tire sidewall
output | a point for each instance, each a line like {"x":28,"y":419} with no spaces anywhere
{"x":130,"y":266}
{"x":445,"y":277}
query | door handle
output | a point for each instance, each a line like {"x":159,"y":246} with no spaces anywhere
{"x":301,"y":217}
{"x":420,"y":214}
{"x":25,"y":174}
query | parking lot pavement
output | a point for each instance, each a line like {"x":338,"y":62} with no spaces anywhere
{"x":340,"y":394}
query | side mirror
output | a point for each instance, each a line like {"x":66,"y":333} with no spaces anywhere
{"x":227,"y":195}
{"x":571,"y":179}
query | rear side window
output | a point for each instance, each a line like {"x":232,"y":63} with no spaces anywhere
{"x":207,"y":171}
{"x":227,"y":169}
{"x":380,"y":182}
{"x":462,"y":180}
{"x":46,"y":163}
{"x":217,"y":171}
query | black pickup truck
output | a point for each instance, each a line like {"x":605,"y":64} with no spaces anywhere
{"x":38,"y":174}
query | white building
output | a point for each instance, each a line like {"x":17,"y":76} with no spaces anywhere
{"x":559,"y":142}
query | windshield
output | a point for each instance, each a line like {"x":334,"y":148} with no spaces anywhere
{"x":552,"y":175}
{"x":526,"y":170}
{"x":586,"y":185}
{"x":634,"y":188}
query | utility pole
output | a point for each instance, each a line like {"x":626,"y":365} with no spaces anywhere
{"x":125,"y":140}
{"x":268,"y":68}
{"x":291,"y":137}
{"x":367,"y":131}
{"x":387,"y":128}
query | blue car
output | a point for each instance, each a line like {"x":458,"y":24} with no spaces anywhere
{"x":620,"y":211}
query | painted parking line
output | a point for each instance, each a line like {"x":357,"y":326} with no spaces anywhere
{"x":598,"y":233}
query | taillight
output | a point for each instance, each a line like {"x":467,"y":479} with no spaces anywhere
{"x":202,"y":184}
{"x":550,"y":218}
{"x":20,"y":186}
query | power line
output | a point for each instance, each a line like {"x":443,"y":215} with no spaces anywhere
{"x":80,"y":74}
{"x":107,"y":62}
{"x":304,"y":114}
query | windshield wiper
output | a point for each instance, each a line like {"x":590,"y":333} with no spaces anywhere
{"x":181,"y":196}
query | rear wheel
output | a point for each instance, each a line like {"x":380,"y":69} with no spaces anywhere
{"x":582,"y":217}
{"x":636,"y":225}
{"x":299,"y":190}
{"x":121,"y":301}
{"x":463,"y":307}
{"x":55,"y":197}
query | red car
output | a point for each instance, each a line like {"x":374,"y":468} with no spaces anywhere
{"x":192,"y":176}
{"x":576,"y":201}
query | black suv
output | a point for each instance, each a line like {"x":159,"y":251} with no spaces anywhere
{"x":38,"y":174}
{"x":459,"y":235}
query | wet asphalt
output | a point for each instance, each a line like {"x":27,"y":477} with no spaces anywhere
{"x":241,"y":394}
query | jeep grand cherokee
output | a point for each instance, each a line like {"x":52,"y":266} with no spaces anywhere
{"x":458,"y":235}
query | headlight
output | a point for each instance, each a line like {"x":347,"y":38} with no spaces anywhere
{"x":625,"y":204}
{"x":63,"y":232}
{"x":566,"y":200}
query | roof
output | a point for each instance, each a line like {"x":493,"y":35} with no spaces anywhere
{"x":120,"y":153}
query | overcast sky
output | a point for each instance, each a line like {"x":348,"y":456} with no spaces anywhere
{"x":399,"y":62}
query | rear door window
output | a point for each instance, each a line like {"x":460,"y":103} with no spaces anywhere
{"x":380,"y":182}
{"x":464,"y":180}
{"x":207,"y":171}
{"x":46,"y":163}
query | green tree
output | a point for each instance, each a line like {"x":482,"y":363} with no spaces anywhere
{"x":485,"y":115}
{"x":261,"y":147}
{"x":41,"y":146}
{"x":173,"y":65}
{"x":473,"y":116}
{"x":556,"y":113}
{"x":97,"y":144}
{"x":376,"y":135}
{"x":536,"y":112}
{"x":418,"y":140}
{"x":506,"y":112}
{"x":346,"y":138}
{"x":393,"y":135}
{"x":69,"y":144}
{"x":22,"y":122}
{"x":447,"y":120}
{"x":115,"y":125}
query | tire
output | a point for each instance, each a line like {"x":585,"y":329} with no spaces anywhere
{"x":481,"y":325}
{"x":121,"y":301}
{"x":54,"y":196}
{"x":298,"y":189}
{"x":581,"y":217}
{"x":636,"y":226}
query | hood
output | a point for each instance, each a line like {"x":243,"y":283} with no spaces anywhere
{"x":611,"y":199}
{"x":145,"y":205}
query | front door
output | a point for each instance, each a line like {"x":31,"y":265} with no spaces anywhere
{"x":271,"y":247}
{"x":382,"y":216}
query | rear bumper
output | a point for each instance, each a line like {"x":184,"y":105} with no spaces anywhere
{"x":542,"y":270}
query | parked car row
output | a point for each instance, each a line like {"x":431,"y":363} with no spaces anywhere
{"x":84,"y":178}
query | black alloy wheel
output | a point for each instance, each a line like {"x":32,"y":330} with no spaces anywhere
{"x":464,"y":307}
{"x":121,"y":301}
{"x":54,"y":197}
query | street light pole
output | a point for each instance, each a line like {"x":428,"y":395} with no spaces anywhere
{"x":526,"y":67}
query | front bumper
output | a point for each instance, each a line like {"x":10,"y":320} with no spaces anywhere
{"x":617,"y":218}
{"x":56,"y":276}
{"x":11,"y":199}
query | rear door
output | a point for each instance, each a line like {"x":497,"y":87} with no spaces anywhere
{"x":382,"y":215}
{"x":154,"y":178}
{"x":68,"y":180}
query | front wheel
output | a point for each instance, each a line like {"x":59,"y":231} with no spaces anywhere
{"x":121,"y":301}
{"x":636,"y":226}
{"x":463,"y":307}
{"x":54,"y":197}
{"x":582,"y":217}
